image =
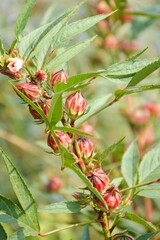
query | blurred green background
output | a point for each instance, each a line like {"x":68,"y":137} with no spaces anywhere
{"x":24,"y":141}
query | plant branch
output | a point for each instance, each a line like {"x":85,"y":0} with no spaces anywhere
{"x":140,"y":185}
{"x":65,"y":228}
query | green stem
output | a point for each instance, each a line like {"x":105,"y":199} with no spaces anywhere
{"x":140,"y":185}
{"x":105,"y":226}
{"x":65,"y":228}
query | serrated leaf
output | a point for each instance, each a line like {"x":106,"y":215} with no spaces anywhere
{"x":133,"y":217}
{"x":23,"y":17}
{"x":67,"y":54}
{"x":56,"y":109}
{"x":86,"y":235}
{"x":29,"y":42}
{"x":3,"y":234}
{"x":150,"y":165}
{"x":95,"y":106}
{"x":72,"y":130}
{"x":150,"y":191}
{"x":147,"y":236}
{"x":22,"y":192}
{"x":71,"y":30}
{"x":108,"y":150}
{"x":130,"y":163}
{"x":74,"y":80}
{"x":88,"y":183}
{"x":146,"y":71}
{"x":62,"y":207}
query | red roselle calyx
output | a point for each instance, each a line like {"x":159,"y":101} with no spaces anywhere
{"x":44,"y":104}
{"x":60,"y":76}
{"x":75,"y":105}
{"x":31,"y":90}
{"x":54,"y":184}
{"x":63,"y":138}
{"x":40,"y":76}
{"x":84,"y":148}
{"x":112,"y":197}
{"x":99,"y":179}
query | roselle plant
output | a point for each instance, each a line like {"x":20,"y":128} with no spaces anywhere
{"x":37,"y":63}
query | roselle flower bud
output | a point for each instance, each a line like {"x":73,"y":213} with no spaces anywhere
{"x":15,"y":64}
{"x":75,"y":105}
{"x":110,"y":42}
{"x":153,"y":108}
{"x":60,"y":76}
{"x":40,"y":76}
{"x":99,"y":179}
{"x":31,"y":90}
{"x":54,"y":184}
{"x":126,"y":17}
{"x":13,"y":75}
{"x":102,"y":8}
{"x":112,"y":198}
{"x":84,"y":148}
{"x":63,"y":138}
{"x":140,"y":116}
{"x":44,"y":104}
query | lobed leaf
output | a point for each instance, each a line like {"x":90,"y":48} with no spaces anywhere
{"x":133,"y":217}
{"x":130,"y":164}
{"x":62,"y":207}
{"x":22,"y":192}
{"x":23,"y":17}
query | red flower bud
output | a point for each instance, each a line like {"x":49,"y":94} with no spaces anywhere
{"x":84,"y":148}
{"x":126,"y":17}
{"x":99,"y":179}
{"x":75,"y":105}
{"x":40,"y":76}
{"x":63,"y":138}
{"x":44,"y":104}
{"x":13,"y":75}
{"x":31,"y":90}
{"x":110,"y":42}
{"x":153,"y":108}
{"x":112,"y":198}
{"x":102,"y":8}
{"x":60,"y":76}
{"x":54,"y":184}
{"x":140,"y":116}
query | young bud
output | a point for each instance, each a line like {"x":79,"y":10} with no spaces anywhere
{"x":60,"y":76}
{"x":99,"y":179}
{"x":63,"y":138}
{"x":110,"y":42}
{"x":31,"y":90}
{"x":140,"y":116}
{"x":153,"y":108}
{"x":84,"y":148}
{"x":13,"y":75}
{"x":75,"y":105}
{"x":112,"y":198}
{"x":54,"y":184}
{"x":40,"y":76}
{"x":15,"y":64}
{"x":102,"y":8}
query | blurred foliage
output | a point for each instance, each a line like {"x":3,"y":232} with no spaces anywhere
{"x":24,"y":140}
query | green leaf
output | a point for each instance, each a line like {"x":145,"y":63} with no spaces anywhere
{"x":21,"y":234}
{"x":108,"y":150}
{"x":88,"y":183}
{"x":67,"y":54}
{"x":32,"y":104}
{"x":29,"y":42}
{"x":150,"y":165}
{"x":22,"y":192}
{"x":56,"y":109}
{"x":133,"y":217}
{"x":95,"y":106}
{"x":130,"y":164}
{"x":144,"y":73}
{"x":23,"y":17}
{"x":67,"y":158}
{"x":147,"y":236}
{"x":86,"y":235}
{"x":3,"y":234}
{"x":150,"y":191}
{"x":71,"y":30}
{"x":2,"y":50}
{"x":62,"y":207}
{"x":74,"y":80}
{"x":117,"y":181}
{"x":124,"y":71}
{"x":72,"y":130}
